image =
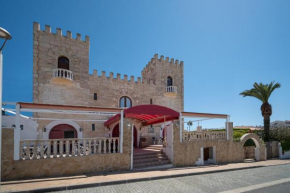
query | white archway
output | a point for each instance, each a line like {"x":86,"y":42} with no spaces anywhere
{"x":52,"y":124}
{"x":257,"y":142}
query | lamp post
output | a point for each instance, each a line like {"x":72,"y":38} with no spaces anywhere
{"x":6,"y":36}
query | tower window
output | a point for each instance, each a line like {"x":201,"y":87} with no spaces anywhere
{"x":95,"y":96}
{"x":169,"y":81}
{"x":63,"y":63}
{"x":125,"y":102}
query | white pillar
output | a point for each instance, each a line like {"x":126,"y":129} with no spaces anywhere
{"x":17,"y":133}
{"x":199,"y":128}
{"x":121,"y":126}
{"x":180,"y":126}
{"x":214,"y":154}
{"x":202,"y":156}
{"x":132,"y":147}
{"x":229,"y":130}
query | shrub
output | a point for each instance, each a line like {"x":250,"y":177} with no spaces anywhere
{"x":281,"y":134}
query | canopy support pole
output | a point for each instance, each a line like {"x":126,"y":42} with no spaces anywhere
{"x":132,"y":147}
{"x":121,"y":131}
{"x":17,"y":133}
{"x":180,"y":126}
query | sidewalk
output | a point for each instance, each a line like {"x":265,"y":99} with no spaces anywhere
{"x":83,"y":181}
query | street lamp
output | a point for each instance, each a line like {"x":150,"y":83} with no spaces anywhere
{"x":6,"y":36}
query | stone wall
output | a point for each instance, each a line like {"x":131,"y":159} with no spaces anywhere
{"x":187,"y":153}
{"x":24,"y":169}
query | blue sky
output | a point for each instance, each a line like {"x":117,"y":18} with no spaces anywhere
{"x":226,"y":46}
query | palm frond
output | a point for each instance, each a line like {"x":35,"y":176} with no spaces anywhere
{"x":261,"y":91}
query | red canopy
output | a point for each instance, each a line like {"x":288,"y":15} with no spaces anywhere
{"x":147,"y":114}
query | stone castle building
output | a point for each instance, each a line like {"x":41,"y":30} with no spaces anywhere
{"x":61,"y":76}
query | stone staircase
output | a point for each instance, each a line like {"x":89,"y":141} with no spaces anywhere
{"x":150,"y":158}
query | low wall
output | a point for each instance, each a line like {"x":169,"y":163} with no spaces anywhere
{"x":53,"y":167}
{"x":187,"y":153}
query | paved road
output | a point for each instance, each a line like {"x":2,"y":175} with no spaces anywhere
{"x":258,"y":180}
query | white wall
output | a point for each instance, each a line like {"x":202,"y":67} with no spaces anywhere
{"x":168,"y":150}
{"x":286,"y":154}
{"x":29,"y":126}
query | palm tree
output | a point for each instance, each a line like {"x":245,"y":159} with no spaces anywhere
{"x":263,"y":92}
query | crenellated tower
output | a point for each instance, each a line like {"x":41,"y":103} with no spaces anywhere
{"x":167,"y":75}
{"x":58,"y":59}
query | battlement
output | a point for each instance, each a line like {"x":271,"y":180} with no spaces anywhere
{"x":36,"y":28}
{"x":155,"y":59}
{"x":118,"y":77}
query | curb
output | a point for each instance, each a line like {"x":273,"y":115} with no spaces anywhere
{"x":90,"y":185}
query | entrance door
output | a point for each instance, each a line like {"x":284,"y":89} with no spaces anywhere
{"x":69,"y":134}
{"x":116,"y":131}
{"x":62,"y":131}
{"x":206,"y":154}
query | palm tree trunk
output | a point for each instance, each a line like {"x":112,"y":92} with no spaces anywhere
{"x":266,"y":128}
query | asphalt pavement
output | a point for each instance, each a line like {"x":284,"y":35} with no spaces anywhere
{"x":254,"y":180}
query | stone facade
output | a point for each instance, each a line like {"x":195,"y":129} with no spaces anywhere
{"x":48,"y":47}
{"x":100,"y":163}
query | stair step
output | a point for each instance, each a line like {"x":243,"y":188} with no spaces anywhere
{"x":147,"y":160}
{"x":249,"y":160}
{"x":157,"y":167}
{"x":151,"y":163}
{"x":148,"y":153}
{"x":148,"y":156}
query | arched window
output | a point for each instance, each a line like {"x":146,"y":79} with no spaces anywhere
{"x":169,"y":81}
{"x":125,"y":102}
{"x":63,"y":63}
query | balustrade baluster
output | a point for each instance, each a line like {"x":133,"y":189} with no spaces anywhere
{"x":100,"y":146}
{"x":89,"y":146}
{"x":54,"y":148}
{"x":48,"y":151}
{"x":67,"y":148}
{"x":79,"y":147}
{"x":41,"y":149}
{"x":105,"y":145}
{"x":109,"y":144}
{"x":73,"y":153}
{"x":95,"y":146}
{"x":27,"y":150}
{"x":60,"y":148}
{"x":34,"y":155}
{"x":114,"y":145}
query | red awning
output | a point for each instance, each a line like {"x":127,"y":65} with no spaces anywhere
{"x":147,"y":114}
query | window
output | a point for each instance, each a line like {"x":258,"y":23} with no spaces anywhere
{"x":125,"y":102}
{"x":93,"y":127}
{"x":95,"y":96}
{"x":169,"y":81}
{"x":63,"y":63}
{"x":151,"y":101}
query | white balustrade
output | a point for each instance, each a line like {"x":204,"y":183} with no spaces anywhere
{"x":57,"y":148}
{"x":63,"y":73}
{"x":171,"y":89}
{"x":204,"y":135}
